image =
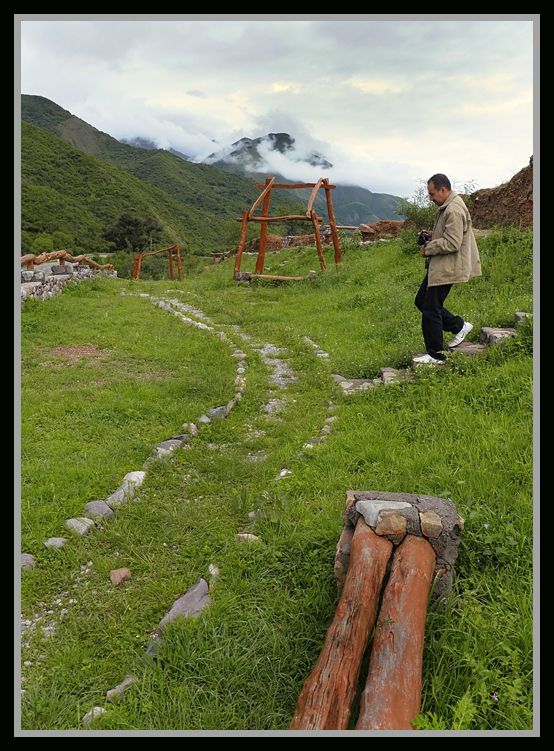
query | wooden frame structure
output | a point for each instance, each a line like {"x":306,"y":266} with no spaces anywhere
{"x":30,"y":260}
{"x":170,"y":250}
{"x":309,"y":216}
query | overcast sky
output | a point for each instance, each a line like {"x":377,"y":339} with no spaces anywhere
{"x":388,"y":102}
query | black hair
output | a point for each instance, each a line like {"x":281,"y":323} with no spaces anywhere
{"x":440,"y":181}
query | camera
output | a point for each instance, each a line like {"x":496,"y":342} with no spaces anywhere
{"x":423,"y":237}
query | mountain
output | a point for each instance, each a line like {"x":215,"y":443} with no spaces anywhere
{"x":77,"y":179}
{"x":246,"y":153}
{"x":67,"y":191}
{"x":196,"y":185}
{"x":353,"y":204}
{"x":146,"y":143}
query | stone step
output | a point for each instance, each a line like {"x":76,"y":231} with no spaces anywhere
{"x":492,"y":336}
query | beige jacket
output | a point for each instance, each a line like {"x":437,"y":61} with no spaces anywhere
{"x":453,"y":254}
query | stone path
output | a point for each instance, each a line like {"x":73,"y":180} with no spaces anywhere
{"x":99,"y":512}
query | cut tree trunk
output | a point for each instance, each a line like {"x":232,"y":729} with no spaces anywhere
{"x":325,"y":702}
{"x":392,"y":695}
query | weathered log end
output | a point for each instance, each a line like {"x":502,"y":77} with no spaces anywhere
{"x":325,"y":702}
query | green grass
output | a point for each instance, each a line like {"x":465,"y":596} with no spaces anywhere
{"x":462,"y":432}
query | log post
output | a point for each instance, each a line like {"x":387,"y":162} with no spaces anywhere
{"x":392,"y":695}
{"x":179,"y":266}
{"x":242,"y":243}
{"x":318,"y":244}
{"x":325,"y":701}
{"x":170,"y":254}
{"x":263,"y":233}
{"x":332,"y":221}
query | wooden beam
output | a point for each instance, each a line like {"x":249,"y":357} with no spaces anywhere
{"x":392,"y":694}
{"x":263,"y":233}
{"x":325,"y":702}
{"x":313,"y":196}
{"x":242,"y":242}
{"x":267,"y":189}
{"x":179,"y":267}
{"x":170,"y":253}
{"x":296,"y":186}
{"x":333,"y":223}
{"x":291,"y":217}
{"x":278,"y":278}
{"x":318,"y":243}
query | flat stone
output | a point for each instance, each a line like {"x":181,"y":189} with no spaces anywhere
{"x":490,"y":335}
{"x":247,"y":537}
{"x":60,"y":270}
{"x":204,"y":419}
{"x":27,"y":276}
{"x":390,"y":523}
{"x":259,"y":456}
{"x":166,"y":447}
{"x":431,"y":524}
{"x":134,"y":479}
{"x":312,"y":442}
{"x":98,"y":508}
{"x":469,"y":348}
{"x":117,"y":498}
{"x":190,"y":427}
{"x":239,"y":354}
{"x":38,"y":276}
{"x":27,"y":560}
{"x":80,"y":526}
{"x":114,"y":693}
{"x":273,"y":406}
{"x":217,"y":413}
{"x":55,"y":542}
{"x":190,"y":604}
{"x":213,"y":571}
{"x":90,"y":716}
{"x":338,"y":378}
{"x":357,"y":385}
{"x":119,"y":575}
{"x":183,"y":438}
{"x":389,"y":375}
{"x":520,"y":316}
{"x":371,"y":509}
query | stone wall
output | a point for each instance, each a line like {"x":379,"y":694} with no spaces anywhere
{"x":49,"y":282}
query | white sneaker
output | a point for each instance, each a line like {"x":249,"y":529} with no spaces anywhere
{"x":427,"y":360}
{"x":461,"y":335}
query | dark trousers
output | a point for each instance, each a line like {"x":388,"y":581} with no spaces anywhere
{"x":435,"y":318}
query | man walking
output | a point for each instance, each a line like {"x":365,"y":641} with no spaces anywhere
{"x":451,"y":257}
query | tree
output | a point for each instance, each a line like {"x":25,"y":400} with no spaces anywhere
{"x":42,"y":243}
{"x":132,"y":232}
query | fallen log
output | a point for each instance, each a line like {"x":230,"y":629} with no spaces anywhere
{"x":392,"y":695}
{"x":325,"y":702}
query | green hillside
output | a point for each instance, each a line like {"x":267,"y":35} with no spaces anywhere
{"x":197,"y":185}
{"x":65,"y":190}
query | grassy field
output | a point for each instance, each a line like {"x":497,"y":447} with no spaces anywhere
{"x":463,"y":432}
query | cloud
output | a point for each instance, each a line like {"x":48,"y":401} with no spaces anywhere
{"x":387,"y":102}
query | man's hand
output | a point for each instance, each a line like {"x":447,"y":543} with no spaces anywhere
{"x":422,"y":250}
